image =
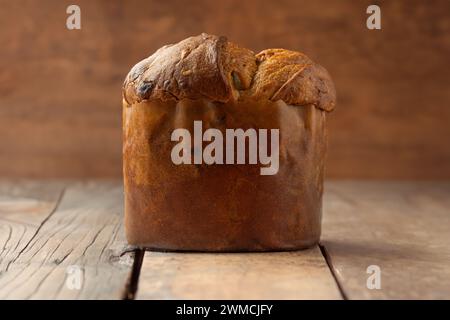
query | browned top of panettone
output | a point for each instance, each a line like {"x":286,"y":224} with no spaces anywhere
{"x":210,"y":67}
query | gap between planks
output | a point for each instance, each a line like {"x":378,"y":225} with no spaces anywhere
{"x":327,"y":258}
{"x":132,"y":283}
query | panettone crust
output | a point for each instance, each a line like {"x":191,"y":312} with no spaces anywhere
{"x":211,"y":67}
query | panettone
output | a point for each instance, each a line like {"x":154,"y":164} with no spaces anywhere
{"x":278,"y":98}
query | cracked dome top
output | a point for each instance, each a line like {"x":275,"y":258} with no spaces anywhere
{"x":210,"y":67}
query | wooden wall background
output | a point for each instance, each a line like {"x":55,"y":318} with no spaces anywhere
{"x":60,"y":99}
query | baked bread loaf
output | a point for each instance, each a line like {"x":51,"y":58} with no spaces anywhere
{"x":211,"y":83}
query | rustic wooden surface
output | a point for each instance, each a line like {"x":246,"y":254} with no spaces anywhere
{"x":24,"y":207}
{"x":404,"y":228}
{"x":84,"y":232}
{"x":60,"y":90}
{"x":48,"y":227}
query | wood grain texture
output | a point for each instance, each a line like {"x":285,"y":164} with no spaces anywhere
{"x":281,"y":275}
{"x":60,"y":102}
{"x":85,"y":232}
{"x":404,"y":228}
{"x":24,"y":207}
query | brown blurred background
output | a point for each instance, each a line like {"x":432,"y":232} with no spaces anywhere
{"x":60,"y":90}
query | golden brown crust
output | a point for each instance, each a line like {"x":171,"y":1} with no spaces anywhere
{"x":294,"y":78}
{"x":210,"y":67}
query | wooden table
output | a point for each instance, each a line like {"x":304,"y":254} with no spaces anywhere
{"x":65,"y":240}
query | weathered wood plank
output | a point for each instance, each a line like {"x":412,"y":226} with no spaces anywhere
{"x":24,"y":206}
{"x":77,"y":253}
{"x":404,"y":228}
{"x":275,"y":275}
